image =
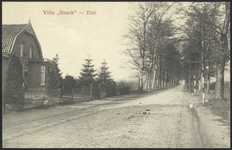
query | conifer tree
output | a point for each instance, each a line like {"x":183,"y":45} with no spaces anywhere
{"x":87,"y":73}
{"x":104,"y":80}
{"x":104,"y":74}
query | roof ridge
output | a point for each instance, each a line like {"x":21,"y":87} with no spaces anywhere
{"x":14,"y":24}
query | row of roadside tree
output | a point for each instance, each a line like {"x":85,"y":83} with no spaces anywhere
{"x":152,"y":47}
{"x":172,"y":41}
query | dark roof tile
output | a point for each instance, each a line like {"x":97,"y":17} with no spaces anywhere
{"x":9,"y":32}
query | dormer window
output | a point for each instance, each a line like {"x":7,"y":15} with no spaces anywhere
{"x":21,"y":49}
{"x":30,"y":52}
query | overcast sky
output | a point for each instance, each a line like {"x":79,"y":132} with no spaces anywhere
{"x":74,"y":37}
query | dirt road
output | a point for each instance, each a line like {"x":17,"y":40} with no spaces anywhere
{"x":161,"y":119}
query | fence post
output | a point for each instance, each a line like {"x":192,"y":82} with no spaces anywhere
{"x":44,"y":94}
{"x":59,"y":96}
{"x":23,"y":98}
{"x":91,"y":92}
{"x":99,"y":89}
{"x":72,"y":94}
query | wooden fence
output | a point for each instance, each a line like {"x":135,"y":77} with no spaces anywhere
{"x":36,"y":97}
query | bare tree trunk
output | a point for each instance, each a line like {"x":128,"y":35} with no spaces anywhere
{"x":167,"y":78}
{"x":174,"y":80}
{"x":163,"y":78}
{"x":171,"y":80}
{"x":154,"y":79}
{"x":156,"y":83}
{"x":149,"y":81}
{"x":149,"y":78}
{"x":208,"y":84}
{"x":199,"y":80}
{"x":208,"y":78}
{"x":160,"y":77}
{"x":202,"y":82}
{"x":140,"y":81}
{"x":189,"y":80}
{"x":157,"y":80}
{"x":145,"y":81}
{"x":194,"y":86}
{"x":219,"y":89}
{"x":202,"y":63}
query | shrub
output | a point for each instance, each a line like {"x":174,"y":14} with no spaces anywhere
{"x":13,"y":91}
{"x":226,"y":85}
{"x":123,"y":88}
{"x":212,"y":86}
{"x":111,"y":89}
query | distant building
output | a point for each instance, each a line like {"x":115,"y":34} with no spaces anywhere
{"x":21,"y":40}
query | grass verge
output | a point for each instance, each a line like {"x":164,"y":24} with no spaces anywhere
{"x":221,"y":108}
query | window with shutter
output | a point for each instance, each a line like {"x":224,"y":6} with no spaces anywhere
{"x":30,"y":52}
{"x":42,"y":75}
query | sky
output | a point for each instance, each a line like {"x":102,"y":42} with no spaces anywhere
{"x":78,"y":36}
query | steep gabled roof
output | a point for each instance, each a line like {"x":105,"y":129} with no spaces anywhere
{"x":11,"y":32}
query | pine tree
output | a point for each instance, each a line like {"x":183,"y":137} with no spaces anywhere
{"x":104,"y":80}
{"x":104,"y":74}
{"x":88,"y":74}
